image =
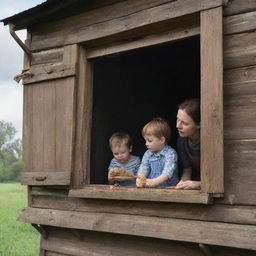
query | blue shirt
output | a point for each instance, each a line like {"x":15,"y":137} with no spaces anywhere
{"x":153,"y":165}
{"x":132,"y":166}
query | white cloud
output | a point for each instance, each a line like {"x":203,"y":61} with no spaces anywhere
{"x":11,"y":61}
{"x":11,"y":105}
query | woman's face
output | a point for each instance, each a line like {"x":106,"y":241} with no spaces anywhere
{"x":186,"y":125}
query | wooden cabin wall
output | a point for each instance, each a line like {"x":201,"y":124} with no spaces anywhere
{"x":238,"y":204}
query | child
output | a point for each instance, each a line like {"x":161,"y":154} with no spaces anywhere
{"x":121,"y":147}
{"x":159,"y":163}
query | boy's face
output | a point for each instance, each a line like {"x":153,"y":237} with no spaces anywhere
{"x":154,"y":144}
{"x":121,"y":153}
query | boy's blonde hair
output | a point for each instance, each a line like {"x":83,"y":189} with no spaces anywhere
{"x":158,"y":127}
{"x":119,"y":139}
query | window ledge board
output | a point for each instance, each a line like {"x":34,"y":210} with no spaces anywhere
{"x":141,"y":194}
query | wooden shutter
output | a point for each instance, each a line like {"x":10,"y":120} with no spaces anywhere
{"x":49,"y":112}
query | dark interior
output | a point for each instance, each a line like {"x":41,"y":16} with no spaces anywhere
{"x":131,"y":88}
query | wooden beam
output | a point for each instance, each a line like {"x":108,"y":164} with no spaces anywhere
{"x":82,"y":145}
{"x":119,"y":25}
{"x":94,"y":243}
{"x":58,"y":200}
{"x":151,"y":40}
{"x":215,"y":233}
{"x":45,"y":178}
{"x":240,"y":23}
{"x":212,"y":157}
{"x":238,"y":6}
{"x":145,"y":194}
{"x":240,"y":50}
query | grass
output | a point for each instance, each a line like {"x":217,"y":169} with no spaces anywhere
{"x":16,"y":238}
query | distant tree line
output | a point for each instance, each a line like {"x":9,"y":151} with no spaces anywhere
{"x":10,"y":153}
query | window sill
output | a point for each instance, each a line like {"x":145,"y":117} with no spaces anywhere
{"x":141,"y":194}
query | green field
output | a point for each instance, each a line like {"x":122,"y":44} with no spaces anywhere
{"x":16,"y":238}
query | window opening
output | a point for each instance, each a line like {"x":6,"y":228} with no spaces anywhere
{"x":131,"y":88}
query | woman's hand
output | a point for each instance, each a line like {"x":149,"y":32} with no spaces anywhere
{"x":188,"y":184}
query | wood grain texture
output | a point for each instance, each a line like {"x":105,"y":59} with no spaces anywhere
{"x":212,"y":165}
{"x":149,"y":194}
{"x":54,"y":55}
{"x":54,"y":199}
{"x":46,"y":178}
{"x":234,"y":235}
{"x":240,"y":50}
{"x":239,"y":103}
{"x":173,"y":35}
{"x":240,"y":179}
{"x":49,"y":126}
{"x":114,"y":245}
{"x":240,"y":23}
{"x":238,"y":6}
{"x":27,"y":128}
{"x":119,"y":25}
{"x":81,"y":174}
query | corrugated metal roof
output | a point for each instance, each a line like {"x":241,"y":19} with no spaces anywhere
{"x":44,"y":12}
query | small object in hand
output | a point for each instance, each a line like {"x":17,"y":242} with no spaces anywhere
{"x":120,"y":174}
{"x":141,"y":180}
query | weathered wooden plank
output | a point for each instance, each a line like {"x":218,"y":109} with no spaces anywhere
{"x":240,"y":76}
{"x":238,"y":112}
{"x":64,"y":241}
{"x":240,"y":179}
{"x":67,"y":65}
{"x":212,"y":169}
{"x":93,"y":14}
{"x":49,"y":131}
{"x":46,"y":178}
{"x":146,"y":41}
{"x":27,"y":128}
{"x":81,"y":173}
{"x":37,"y":138}
{"x":65,"y":123}
{"x":54,"y":199}
{"x":239,"y":99}
{"x":126,"y":245}
{"x":149,"y":194}
{"x":50,"y":56}
{"x":234,"y":235}
{"x":50,"y":253}
{"x":46,"y":72}
{"x":240,"y":50}
{"x":118,"y":25}
{"x":50,"y":139}
{"x":238,"y":6}
{"x":240,"y":23}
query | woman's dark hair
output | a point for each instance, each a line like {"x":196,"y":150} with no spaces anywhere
{"x":192,"y":108}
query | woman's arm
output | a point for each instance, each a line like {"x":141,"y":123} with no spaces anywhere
{"x":186,"y":174}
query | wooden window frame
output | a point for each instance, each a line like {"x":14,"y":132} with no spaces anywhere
{"x":210,"y":29}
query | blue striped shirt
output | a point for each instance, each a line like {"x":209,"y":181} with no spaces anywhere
{"x":132,"y":166}
{"x":153,"y":165}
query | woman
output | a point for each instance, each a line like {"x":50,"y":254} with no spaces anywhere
{"x":188,"y":145}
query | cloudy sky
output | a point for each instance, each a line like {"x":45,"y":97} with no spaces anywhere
{"x":11,"y":59}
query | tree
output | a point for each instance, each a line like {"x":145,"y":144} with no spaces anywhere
{"x":10,"y":153}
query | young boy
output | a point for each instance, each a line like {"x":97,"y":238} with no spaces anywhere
{"x":159,"y":163}
{"x":121,"y":147}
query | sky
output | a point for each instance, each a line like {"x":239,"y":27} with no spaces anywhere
{"x":11,"y":64}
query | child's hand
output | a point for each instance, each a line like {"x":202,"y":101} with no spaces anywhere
{"x":141,"y":180}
